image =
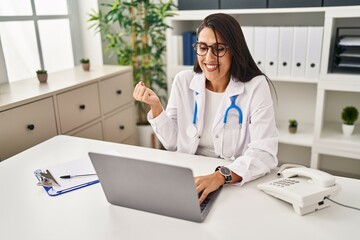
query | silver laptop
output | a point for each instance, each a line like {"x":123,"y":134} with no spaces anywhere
{"x":152,"y":187}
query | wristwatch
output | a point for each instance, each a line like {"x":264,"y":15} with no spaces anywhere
{"x":226,"y":172}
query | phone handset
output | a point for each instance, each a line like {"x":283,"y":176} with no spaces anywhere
{"x":319,"y":178}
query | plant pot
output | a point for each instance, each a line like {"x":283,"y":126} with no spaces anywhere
{"x":292,"y":129}
{"x":348,"y":129}
{"x":147,"y":137}
{"x":42,"y":77}
{"x":86,"y":66}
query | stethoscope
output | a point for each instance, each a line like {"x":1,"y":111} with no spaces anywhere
{"x":192,"y":131}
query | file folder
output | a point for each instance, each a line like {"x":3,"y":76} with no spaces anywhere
{"x":299,"y":52}
{"x":286,"y":35}
{"x":314,"y":47}
{"x":249,"y":38}
{"x":259,"y":47}
{"x":188,"y":55}
{"x":75,"y":167}
{"x":271,"y":51}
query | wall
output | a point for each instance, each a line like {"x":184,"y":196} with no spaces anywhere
{"x":91,"y":41}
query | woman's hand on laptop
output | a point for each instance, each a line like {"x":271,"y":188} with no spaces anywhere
{"x":208,"y":183}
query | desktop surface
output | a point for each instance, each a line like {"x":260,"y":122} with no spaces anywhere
{"x":27,"y":212}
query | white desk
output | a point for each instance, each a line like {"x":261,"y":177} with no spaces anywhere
{"x":27,"y":212}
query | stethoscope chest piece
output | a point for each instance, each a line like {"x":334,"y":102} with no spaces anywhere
{"x":191,"y":131}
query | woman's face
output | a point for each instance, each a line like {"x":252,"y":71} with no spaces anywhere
{"x":216,"y":73}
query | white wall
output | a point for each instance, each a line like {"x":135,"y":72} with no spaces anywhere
{"x":91,"y":41}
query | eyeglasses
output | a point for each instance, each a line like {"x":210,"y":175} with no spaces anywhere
{"x":218,"y":49}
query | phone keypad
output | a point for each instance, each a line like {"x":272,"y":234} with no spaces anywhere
{"x":284,"y":182}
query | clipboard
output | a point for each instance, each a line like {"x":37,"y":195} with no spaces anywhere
{"x":57,"y":185}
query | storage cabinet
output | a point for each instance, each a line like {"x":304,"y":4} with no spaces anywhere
{"x":314,"y":96}
{"x":27,"y":125}
{"x":78,"y":106}
{"x":119,"y":126}
{"x":97,"y":104}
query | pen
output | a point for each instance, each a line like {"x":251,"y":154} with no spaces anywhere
{"x":78,"y":175}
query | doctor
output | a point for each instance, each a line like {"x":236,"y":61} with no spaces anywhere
{"x":223,"y":108}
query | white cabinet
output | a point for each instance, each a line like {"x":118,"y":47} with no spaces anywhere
{"x":97,"y":104}
{"x":309,"y":93}
{"x":27,"y":125}
{"x":77,"y":107}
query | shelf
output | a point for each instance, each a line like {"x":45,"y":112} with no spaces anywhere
{"x":303,"y":137}
{"x":295,"y":80}
{"x":340,"y":82}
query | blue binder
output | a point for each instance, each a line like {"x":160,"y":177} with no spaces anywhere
{"x":188,"y":52}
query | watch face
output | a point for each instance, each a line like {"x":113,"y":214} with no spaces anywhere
{"x":225,"y":171}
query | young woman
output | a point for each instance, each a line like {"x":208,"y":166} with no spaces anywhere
{"x":223,"y":108}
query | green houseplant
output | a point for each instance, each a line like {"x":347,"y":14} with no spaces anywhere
{"x":42,"y":75}
{"x":140,"y":42}
{"x":85,"y":62}
{"x":349,"y":116}
{"x":293,"y":125}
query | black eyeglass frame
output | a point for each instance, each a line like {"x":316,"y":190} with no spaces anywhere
{"x":194,"y":46}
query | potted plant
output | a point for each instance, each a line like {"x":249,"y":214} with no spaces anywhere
{"x":85,"y":62}
{"x":293,"y":125}
{"x":42,"y":75}
{"x":135,"y":32}
{"x":349,"y":116}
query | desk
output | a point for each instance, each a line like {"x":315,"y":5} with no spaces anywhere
{"x":27,"y":212}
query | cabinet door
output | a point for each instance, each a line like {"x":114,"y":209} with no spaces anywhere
{"x":93,"y":132}
{"x":25,"y":126}
{"x":116,"y":92}
{"x":120,"y":126}
{"x":78,"y":106}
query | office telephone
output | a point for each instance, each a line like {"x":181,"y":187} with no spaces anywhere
{"x":305,"y":188}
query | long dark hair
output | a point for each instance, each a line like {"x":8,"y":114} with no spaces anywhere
{"x":243,"y":67}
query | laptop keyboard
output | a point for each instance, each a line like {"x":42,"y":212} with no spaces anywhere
{"x":204,"y":203}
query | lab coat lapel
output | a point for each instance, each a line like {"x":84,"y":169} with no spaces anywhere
{"x":197,"y":84}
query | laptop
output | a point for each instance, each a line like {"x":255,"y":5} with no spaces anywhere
{"x":150,"y":186}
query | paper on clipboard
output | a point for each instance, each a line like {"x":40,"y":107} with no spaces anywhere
{"x":74,"y":167}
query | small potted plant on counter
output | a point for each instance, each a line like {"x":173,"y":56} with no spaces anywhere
{"x":42,"y":76}
{"x":349,"y":116}
{"x":85,"y":62}
{"x":293,"y":125}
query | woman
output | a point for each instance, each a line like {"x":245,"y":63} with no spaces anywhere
{"x":202,"y":116}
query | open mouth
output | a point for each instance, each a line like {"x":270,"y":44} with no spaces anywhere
{"x":211,"y":67}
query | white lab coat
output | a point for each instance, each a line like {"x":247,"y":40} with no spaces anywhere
{"x":257,"y":147}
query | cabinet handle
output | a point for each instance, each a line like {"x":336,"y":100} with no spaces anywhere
{"x":259,"y":62}
{"x":312,"y":65}
{"x":30,"y":126}
{"x":82,"y":106}
{"x":119,"y":92}
{"x":284,"y":64}
{"x":122,"y":127}
{"x":271,"y":63}
{"x":298,"y":64}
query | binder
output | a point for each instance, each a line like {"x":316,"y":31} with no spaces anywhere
{"x":286,"y":35}
{"x":259,"y":47}
{"x":193,"y":53}
{"x":187,"y":48}
{"x":271,"y":51}
{"x":75,"y":167}
{"x":249,"y":38}
{"x":299,"y":52}
{"x":314,"y":47}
